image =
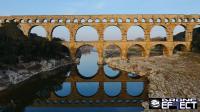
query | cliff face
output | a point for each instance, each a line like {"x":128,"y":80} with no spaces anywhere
{"x":196,"y":40}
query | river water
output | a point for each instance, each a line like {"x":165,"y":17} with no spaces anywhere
{"x":78,"y":88}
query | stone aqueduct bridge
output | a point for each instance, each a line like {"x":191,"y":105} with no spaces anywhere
{"x":123,"y":22}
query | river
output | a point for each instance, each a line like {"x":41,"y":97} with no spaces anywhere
{"x":86,"y":87}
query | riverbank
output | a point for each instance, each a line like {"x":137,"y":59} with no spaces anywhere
{"x":24,"y":71}
{"x":169,"y":77}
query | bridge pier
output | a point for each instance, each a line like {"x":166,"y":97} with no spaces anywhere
{"x":100,"y":61}
{"x":146,"y":53}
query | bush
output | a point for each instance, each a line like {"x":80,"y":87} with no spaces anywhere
{"x":14,"y":45}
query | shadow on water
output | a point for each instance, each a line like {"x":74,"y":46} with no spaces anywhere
{"x":65,"y":90}
{"x":19,"y":96}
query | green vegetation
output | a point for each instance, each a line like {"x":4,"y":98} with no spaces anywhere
{"x":195,"y":39}
{"x":15,"y":47}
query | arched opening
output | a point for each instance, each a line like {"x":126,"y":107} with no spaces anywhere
{"x":87,"y":57}
{"x":112,"y":20}
{"x":173,"y":20}
{"x":128,"y":20}
{"x":97,"y":20}
{"x":120,"y":20}
{"x":166,"y":20}
{"x":135,"y":20}
{"x":179,"y":33}
{"x":158,"y":20}
{"x":179,"y":48}
{"x":37,"y":31}
{"x":196,"y":38}
{"x":60,"y":21}
{"x":151,"y":20}
{"x":68,"y":21}
{"x":90,"y":20}
{"x":179,"y":20}
{"x":112,"y":51}
{"x":21,"y":21}
{"x":87,"y":33}
{"x":29,"y":21}
{"x":135,"y":88}
{"x":186,"y":20}
{"x":112,"y":89}
{"x":14,"y":20}
{"x":135,"y":33}
{"x":45,"y":20}
{"x":64,"y":90}
{"x":83,"y":20}
{"x":75,"y":20}
{"x":110,"y":72}
{"x":52,"y":21}
{"x":158,"y":33}
{"x":37,"y":21}
{"x":159,"y":50}
{"x":112,"y":33}
{"x":87,"y":89}
{"x":143,"y":20}
{"x":61,"y":32}
{"x":136,"y":51}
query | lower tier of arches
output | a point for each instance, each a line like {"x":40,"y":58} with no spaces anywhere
{"x":126,"y":50}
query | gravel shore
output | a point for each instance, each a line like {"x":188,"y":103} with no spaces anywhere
{"x":177,"y":76}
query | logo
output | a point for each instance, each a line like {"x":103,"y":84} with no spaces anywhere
{"x":155,"y":103}
{"x":173,"y":103}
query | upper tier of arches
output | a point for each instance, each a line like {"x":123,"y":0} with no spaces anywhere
{"x":111,"y":32}
{"x":140,"y":18}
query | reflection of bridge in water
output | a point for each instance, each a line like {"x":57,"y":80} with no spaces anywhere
{"x":128,"y":95}
{"x":41,"y":92}
{"x":100,"y":22}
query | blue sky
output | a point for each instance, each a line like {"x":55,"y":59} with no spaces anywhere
{"x":68,"y":7}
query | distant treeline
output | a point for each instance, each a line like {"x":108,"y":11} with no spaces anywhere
{"x":16,"y":47}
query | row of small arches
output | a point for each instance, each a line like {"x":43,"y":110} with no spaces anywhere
{"x":89,"y":89}
{"x":106,"y":20}
{"x":89,"y":33}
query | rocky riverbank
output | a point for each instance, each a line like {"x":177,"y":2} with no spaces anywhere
{"x":177,"y":76}
{"x":24,"y":71}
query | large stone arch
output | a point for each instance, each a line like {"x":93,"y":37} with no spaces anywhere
{"x":179,"y":47}
{"x":112,"y":91}
{"x":81,"y":91}
{"x":181,"y":34}
{"x":158,"y":33}
{"x":159,"y":49}
{"x":83,"y":53}
{"x":138,"y":48}
{"x":118,"y":35}
{"x":35,"y":26}
{"x":93,"y":28}
{"x":140,"y":32}
{"x":113,"y":45}
{"x":78,"y":48}
{"x":57,"y":26}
